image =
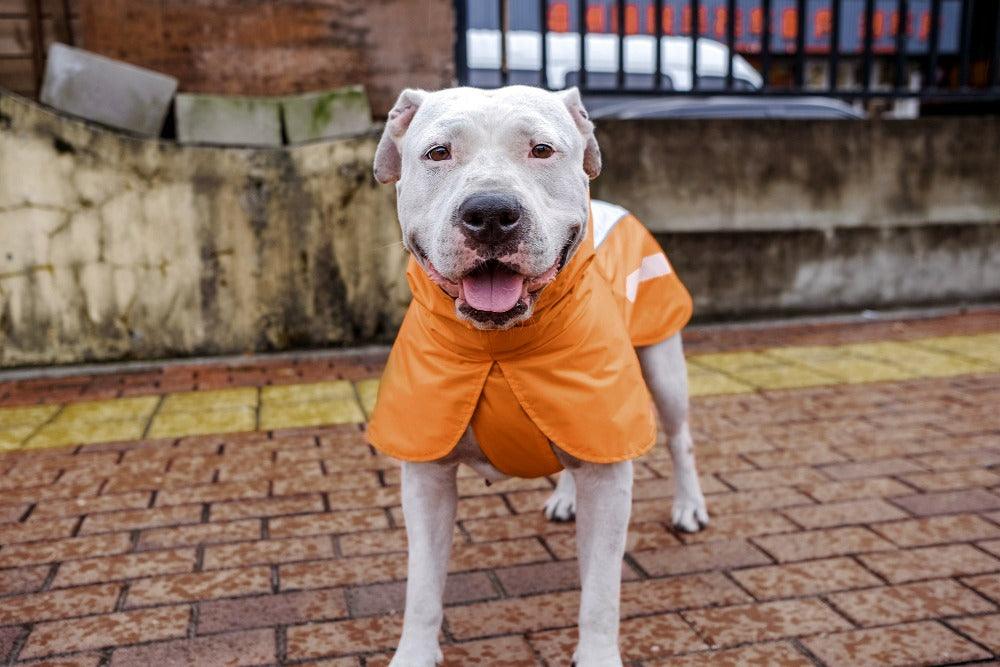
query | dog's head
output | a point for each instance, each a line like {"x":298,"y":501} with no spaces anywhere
{"x":492,"y":191}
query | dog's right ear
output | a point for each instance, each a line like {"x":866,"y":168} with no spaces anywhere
{"x":388,"y":161}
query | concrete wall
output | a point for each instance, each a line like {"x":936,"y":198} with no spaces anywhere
{"x":778,"y":217}
{"x":112,"y":247}
{"x":263,"y":47}
{"x":737,"y":175}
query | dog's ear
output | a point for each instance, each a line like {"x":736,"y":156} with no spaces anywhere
{"x":388,"y":161}
{"x":591,"y":151}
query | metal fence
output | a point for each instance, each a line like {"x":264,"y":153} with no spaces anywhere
{"x":851,"y":49}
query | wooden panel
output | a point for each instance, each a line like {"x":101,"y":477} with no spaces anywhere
{"x":16,"y":75}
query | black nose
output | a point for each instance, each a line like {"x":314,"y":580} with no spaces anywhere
{"x":490,"y":217}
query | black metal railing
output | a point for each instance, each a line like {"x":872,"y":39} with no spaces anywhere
{"x":850,"y":49}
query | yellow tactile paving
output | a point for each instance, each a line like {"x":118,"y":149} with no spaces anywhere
{"x":34,"y":415}
{"x":733,"y":362}
{"x":313,"y":413}
{"x":367,"y":392}
{"x":176,"y":424}
{"x":116,"y":409}
{"x":305,"y":393}
{"x":81,"y":432}
{"x":11,"y":438}
{"x":920,"y":360}
{"x":338,"y":402}
{"x":984,"y":347}
{"x":219,"y":399}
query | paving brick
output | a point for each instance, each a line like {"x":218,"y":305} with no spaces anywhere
{"x":118,"y":629}
{"x":801,"y":579}
{"x":930,"y":562}
{"x":675,"y":593}
{"x":204,"y":533}
{"x":938,"y":530}
{"x":89,"y":505}
{"x":861,"y":469}
{"x":821,"y":543}
{"x":888,"y":605}
{"x":983,"y":629}
{"x":267,"y":610}
{"x":778,"y":653}
{"x":23,"y":579}
{"x":951,"y":502}
{"x":844,"y":513}
{"x":13,"y":533}
{"x":124,"y":566}
{"x":389,"y":598}
{"x":61,"y":550}
{"x":727,"y":626}
{"x":917,"y":643}
{"x":640,"y":639}
{"x":53,"y":605}
{"x":340,"y":637}
{"x":254,"y":647}
{"x":342,"y":572}
{"x":766,"y":479}
{"x":328,"y":523}
{"x":721,"y":555}
{"x":987,"y":584}
{"x":267,"y":551}
{"x":953,"y":479}
{"x":199,"y":586}
{"x":144,"y":518}
{"x":868,"y":487}
{"x":245,"y":509}
{"x":212,"y":493}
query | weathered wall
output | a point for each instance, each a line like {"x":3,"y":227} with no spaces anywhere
{"x":263,"y":47}
{"x":715,"y":175}
{"x":777,"y":217}
{"x":112,"y":247}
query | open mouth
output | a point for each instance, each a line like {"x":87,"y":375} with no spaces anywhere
{"x":494,"y":293}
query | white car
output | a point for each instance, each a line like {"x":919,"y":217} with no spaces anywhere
{"x":524,"y":60}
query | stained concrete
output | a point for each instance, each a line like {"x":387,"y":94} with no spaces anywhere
{"x":114,"y":247}
{"x":735,"y":175}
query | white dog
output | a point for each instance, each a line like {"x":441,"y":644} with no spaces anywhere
{"x":493,"y":200}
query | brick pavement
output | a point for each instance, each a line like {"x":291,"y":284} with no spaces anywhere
{"x":231,"y":514}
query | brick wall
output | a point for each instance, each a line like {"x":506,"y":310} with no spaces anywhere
{"x":260,"y":47}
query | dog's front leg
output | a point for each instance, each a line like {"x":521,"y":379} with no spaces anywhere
{"x":429,"y":499}
{"x":603,"y":504}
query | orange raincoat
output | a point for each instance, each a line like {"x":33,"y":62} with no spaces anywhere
{"x":568,"y":375}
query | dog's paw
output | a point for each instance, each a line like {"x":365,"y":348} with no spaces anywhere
{"x":560,"y":506}
{"x":689,"y":513}
{"x":417,"y":657}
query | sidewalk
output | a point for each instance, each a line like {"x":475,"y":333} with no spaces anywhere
{"x":229,"y":513}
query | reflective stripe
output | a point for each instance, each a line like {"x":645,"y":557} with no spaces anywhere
{"x":605,"y":217}
{"x":653,"y":266}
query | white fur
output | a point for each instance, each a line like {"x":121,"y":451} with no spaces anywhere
{"x":490,"y":134}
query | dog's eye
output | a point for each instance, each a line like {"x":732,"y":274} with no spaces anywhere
{"x":439,"y":153}
{"x":542,"y":151}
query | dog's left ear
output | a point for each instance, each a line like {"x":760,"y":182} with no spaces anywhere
{"x":388,"y":161}
{"x":591,"y":151}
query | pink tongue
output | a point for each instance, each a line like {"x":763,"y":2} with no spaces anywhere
{"x":495,"y":291}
